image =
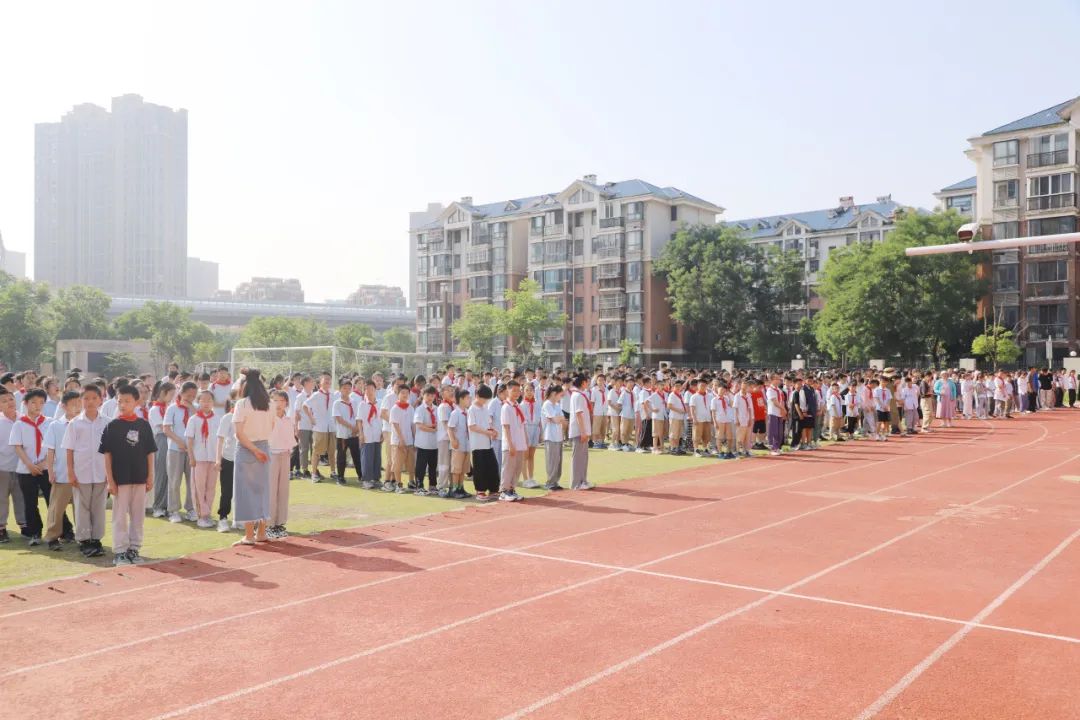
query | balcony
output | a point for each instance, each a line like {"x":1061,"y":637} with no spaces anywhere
{"x":436,"y":323}
{"x":1050,"y":249}
{"x":610,"y":253}
{"x":615,"y":283}
{"x":1002,"y":203}
{"x":554,"y":288}
{"x":611,"y":222}
{"x":498,"y":239}
{"x":606,"y":272}
{"x":1046,"y":159}
{"x":1051,"y":202}
{"x":634,"y":218}
{"x":1042,"y":332}
{"x":551,"y":230}
{"x":483,"y":293}
{"x":553,"y":335}
{"x":439,"y":271}
{"x":612,"y":313}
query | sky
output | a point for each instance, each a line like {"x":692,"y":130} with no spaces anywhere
{"x":315,"y":127}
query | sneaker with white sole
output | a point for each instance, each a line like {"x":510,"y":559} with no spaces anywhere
{"x":507,"y":497}
{"x":133,"y":556}
{"x":223,"y":525}
{"x":175,"y":518}
{"x":192,"y":516}
{"x":205,"y":523}
{"x":530,"y":484}
{"x":158,"y":514}
{"x":121,"y":559}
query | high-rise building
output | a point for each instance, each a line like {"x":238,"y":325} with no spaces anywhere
{"x":590,"y":247}
{"x":12,"y":262}
{"x":1026,"y":185}
{"x":202,"y":278}
{"x":418,"y":220}
{"x":377,"y":296}
{"x":111,"y":199}
{"x":270,"y":288}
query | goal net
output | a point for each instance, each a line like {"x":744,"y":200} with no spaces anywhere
{"x":338,"y":361}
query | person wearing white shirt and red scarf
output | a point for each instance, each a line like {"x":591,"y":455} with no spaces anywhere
{"x":370,"y":435}
{"x":512,"y":425}
{"x":324,"y":436}
{"x":86,"y":471}
{"x":580,"y":425}
{"x":174,"y":427}
{"x":348,"y":440}
{"x":442,"y":437}
{"x":201,"y":435}
{"x":678,"y":411}
{"x":598,"y":396}
{"x":28,"y":437}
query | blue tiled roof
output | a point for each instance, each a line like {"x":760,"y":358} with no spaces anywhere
{"x":815,"y":220}
{"x":1049,"y":116}
{"x":968,"y":184}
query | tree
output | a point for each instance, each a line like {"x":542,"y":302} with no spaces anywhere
{"x":119,"y":363}
{"x":270,"y":332}
{"x":398,"y":340}
{"x":722,"y":289}
{"x":24,"y":326}
{"x":879,"y":303}
{"x":80,"y":312}
{"x":773,"y":338}
{"x":477,"y":329}
{"x":355,"y":336}
{"x":628,"y":350}
{"x":172,"y":333}
{"x":528,"y":315}
{"x":996,"y":345}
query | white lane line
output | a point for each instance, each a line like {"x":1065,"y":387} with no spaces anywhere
{"x":905,"y":682}
{"x":768,"y":591}
{"x":422,"y":536}
{"x":607,"y":672}
{"x":339,"y":661}
{"x":499,"y":518}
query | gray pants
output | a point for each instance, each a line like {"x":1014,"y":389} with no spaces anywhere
{"x":90,"y":510}
{"x":443,"y":466}
{"x":305,"y":450}
{"x":161,"y":473}
{"x":579,"y":463}
{"x":127,"y":519}
{"x":553,"y":463}
{"x":510,"y":469}
{"x":179,"y":471}
{"x":9,"y":488}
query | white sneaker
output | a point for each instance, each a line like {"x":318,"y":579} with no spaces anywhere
{"x":507,"y":497}
{"x":530,"y":484}
{"x":192,"y":516}
{"x":204,"y":523}
{"x":175,"y":518}
{"x":159,"y":513}
{"x":223,"y":525}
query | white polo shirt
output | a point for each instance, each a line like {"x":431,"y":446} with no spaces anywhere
{"x":205,"y":450}
{"x":443,"y":414}
{"x":403,"y":418}
{"x":226,"y":432}
{"x":578,"y":404}
{"x":176,"y":419}
{"x":367,"y":414}
{"x":425,"y":415}
{"x":481,"y":418}
{"x":83,"y":437}
{"x":8,"y":459}
{"x":221,"y":394}
{"x":54,"y":440}
{"x":458,"y":425}
{"x":343,"y":409}
{"x":553,"y":431}
{"x":512,"y":426}
{"x":321,"y":405}
{"x":26,"y":435}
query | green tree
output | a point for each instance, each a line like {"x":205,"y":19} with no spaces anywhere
{"x":773,"y":337}
{"x":270,"y":332}
{"x":172,"y":333}
{"x":879,"y":303}
{"x":398,"y":340}
{"x":119,"y":363}
{"x":528,"y":315}
{"x":355,"y":336}
{"x":24,"y":322}
{"x":997,"y":345}
{"x":628,"y":351}
{"x":477,"y":329}
{"x":81,"y":312}
{"x":720,"y":287}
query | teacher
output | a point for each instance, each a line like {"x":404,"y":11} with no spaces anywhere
{"x":252,"y":423}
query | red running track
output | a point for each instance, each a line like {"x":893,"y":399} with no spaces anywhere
{"x":933,"y":577}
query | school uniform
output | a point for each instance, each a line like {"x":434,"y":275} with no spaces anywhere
{"x":552,"y":432}
{"x":282,"y":440}
{"x":401,"y":441}
{"x":442,"y":444}
{"x":304,"y":427}
{"x":909,"y":397}
{"x":628,"y":415}
{"x":227,"y":434}
{"x":201,"y":434}
{"x":532,"y":422}
{"x":775,"y":410}
{"x":723,"y":412}
{"x":678,"y":411}
{"x":129,"y":443}
{"x":221,"y":392}
{"x":512,"y":428}
{"x":348,"y":443}
{"x":371,"y":433}
{"x":427,"y":446}
{"x":495,"y":407}
{"x":701,"y":416}
{"x":10,"y":492}
{"x":658,"y":415}
{"x":177,"y":466}
{"x":323,"y":434}
{"x":83,"y":439}
{"x":644,"y":417}
{"x":598,"y":396}
{"x":57,"y":524}
{"x":458,"y":427}
{"x":580,"y":407}
{"x":30,"y":435}
{"x":744,"y":421}
{"x":834,"y":410}
{"x":109,"y":408}
{"x":485,"y":467}
{"x":155,"y":415}
{"x":614,"y":419}
{"x":386,"y":403}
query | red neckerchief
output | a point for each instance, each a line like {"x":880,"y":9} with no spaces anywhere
{"x":141,"y":412}
{"x":371,"y":412}
{"x":431,"y":412}
{"x":327,"y":398}
{"x":36,"y":424}
{"x":187,"y":415}
{"x":222,"y":384}
{"x":682,"y":402}
{"x":160,"y":406}
{"x":723,"y":404}
{"x":127,"y":418}
{"x":402,"y":405}
{"x":532,"y":408}
{"x":588,"y":402}
{"x":345,"y":399}
{"x":517,"y":411}
{"x":206,"y":423}
{"x":630,"y":392}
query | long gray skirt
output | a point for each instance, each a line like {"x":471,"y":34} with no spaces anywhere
{"x":251,"y":485}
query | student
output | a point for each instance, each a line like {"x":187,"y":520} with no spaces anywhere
{"x":304,"y":422}
{"x":58,"y":526}
{"x":200,"y":435}
{"x":628,"y":415}
{"x":324,"y":435}
{"x":645,"y":431}
{"x":108,"y":408}
{"x":162,"y":398}
{"x":677,"y":411}
{"x":761,"y":414}
{"x":401,"y":441}
{"x":512,"y":424}
{"x":495,"y":407}
{"x":834,"y":408}
{"x":282,"y":441}
{"x":86,"y":471}
{"x":457,"y":436}
{"x":345,"y":427}
{"x":10,"y":493}
{"x":425,"y":439}
{"x":776,"y":408}
{"x":370,"y":434}
{"x":52,"y":408}
{"x":598,"y":396}
{"x":581,"y":411}
{"x":128,"y":446}
{"x":221,"y":387}
{"x":700,"y":417}
{"x":657,"y":403}
{"x":225,"y":457}
{"x":882,"y":396}
{"x":614,"y":413}
{"x":448,"y":392}
{"x":723,"y":411}
{"x":481,"y":434}
{"x":554,"y":431}
{"x":174,"y":426}
{"x":532,"y":434}
{"x":909,"y":399}
{"x":27,"y":437}
{"x":744,"y":420}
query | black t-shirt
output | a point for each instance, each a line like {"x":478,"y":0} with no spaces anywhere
{"x":129,"y":443}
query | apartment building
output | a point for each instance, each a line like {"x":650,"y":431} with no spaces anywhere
{"x":270,"y":288}
{"x":377,"y":296}
{"x":590,"y":247}
{"x":815,"y":233}
{"x":1026,"y":185}
{"x":959,"y":196}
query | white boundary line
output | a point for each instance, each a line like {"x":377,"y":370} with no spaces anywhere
{"x":334,"y":593}
{"x":615,"y":668}
{"x":905,"y":682}
{"x":499,"y":518}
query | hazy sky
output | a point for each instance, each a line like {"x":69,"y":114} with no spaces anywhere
{"x":315,"y":127}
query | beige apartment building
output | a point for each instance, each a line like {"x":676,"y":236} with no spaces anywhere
{"x":590,"y":247}
{"x":1026,"y":185}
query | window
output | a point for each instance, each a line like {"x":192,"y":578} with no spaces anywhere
{"x":1050,"y":184}
{"x":594,"y":333}
{"x":633,"y":270}
{"x":1006,"y":230}
{"x":579,"y":247}
{"x":579,"y":305}
{"x":1046,"y":320}
{"x":538,"y":225}
{"x":579,"y":219}
{"x":632,"y":211}
{"x":1007,"y":193}
{"x":593,"y":222}
{"x":674,"y":332}
{"x":579,"y":276}
{"x":813,"y":265}
{"x":536,"y":253}
{"x":1049,"y":150}
{"x":1052,"y":226}
{"x":498,"y":283}
{"x":457,"y":286}
{"x":1006,"y":278}
{"x":579,"y":334}
{"x":633,"y":241}
{"x":1006,"y":152}
{"x":1046,"y":279}
{"x":674,"y":213}
{"x":498,"y":255}
{"x":634,"y":332}
{"x":592,"y":274}
{"x":457,"y":312}
{"x":609,"y":210}
{"x":1009,"y":314}
{"x":961,"y":204}
{"x":594,"y":301}
{"x":633,"y":302}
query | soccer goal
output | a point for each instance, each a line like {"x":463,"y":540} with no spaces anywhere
{"x":337,"y":361}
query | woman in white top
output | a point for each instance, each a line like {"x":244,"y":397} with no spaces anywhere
{"x":252,"y":422}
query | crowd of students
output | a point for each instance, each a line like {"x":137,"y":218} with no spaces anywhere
{"x":164,"y":446}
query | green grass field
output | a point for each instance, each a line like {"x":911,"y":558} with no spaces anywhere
{"x":312,"y":508}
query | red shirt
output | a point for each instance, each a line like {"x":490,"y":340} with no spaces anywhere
{"x":760,"y":410}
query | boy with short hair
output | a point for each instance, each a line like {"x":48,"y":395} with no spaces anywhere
{"x":481,"y":434}
{"x":723,"y":412}
{"x":57,"y":525}
{"x":554,"y":432}
{"x":512,"y":423}
{"x":457,"y":434}
{"x":304,"y":424}
{"x":370,"y":434}
{"x":86,"y":471}
{"x":27,"y":437}
{"x":425,"y":438}
{"x":177,"y":416}
{"x":345,"y":428}
{"x":401,"y":441}
{"x":678,"y":410}
{"x":9,"y":461}
{"x":128,"y":447}
{"x":324,"y":435}
{"x":442,"y":437}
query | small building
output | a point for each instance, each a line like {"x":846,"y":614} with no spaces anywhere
{"x":91,"y":356}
